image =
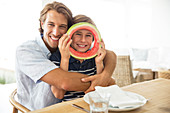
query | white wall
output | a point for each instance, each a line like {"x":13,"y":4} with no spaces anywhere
{"x":127,"y":23}
{"x":18,"y":23}
{"x":161,"y":23}
{"x":122,"y":23}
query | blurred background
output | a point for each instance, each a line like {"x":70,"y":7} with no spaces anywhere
{"x":122,"y":23}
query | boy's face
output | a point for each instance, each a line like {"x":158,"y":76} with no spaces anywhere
{"x":82,"y":40}
{"x":54,"y":27}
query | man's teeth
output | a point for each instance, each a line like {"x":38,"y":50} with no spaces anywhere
{"x":54,"y":38}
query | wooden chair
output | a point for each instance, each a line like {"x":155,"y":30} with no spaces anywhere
{"x":123,"y":71}
{"x":144,"y":75}
{"x":164,"y":74}
{"x":17,"y":106}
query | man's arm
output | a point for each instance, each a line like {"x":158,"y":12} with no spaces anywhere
{"x":104,"y":78}
{"x":69,"y":81}
{"x":109,"y":63}
{"x":35,"y":64}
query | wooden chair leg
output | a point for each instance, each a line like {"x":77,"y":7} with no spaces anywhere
{"x":15,"y":110}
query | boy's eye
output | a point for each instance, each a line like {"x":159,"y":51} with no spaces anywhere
{"x":88,"y":35}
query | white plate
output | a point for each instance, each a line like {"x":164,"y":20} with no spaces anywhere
{"x":130,"y":94}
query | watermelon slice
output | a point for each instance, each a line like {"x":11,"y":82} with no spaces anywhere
{"x":93,"y":51}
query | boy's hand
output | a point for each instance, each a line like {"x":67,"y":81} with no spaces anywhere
{"x":64,"y":46}
{"x":101,"y":53}
{"x":58,"y":93}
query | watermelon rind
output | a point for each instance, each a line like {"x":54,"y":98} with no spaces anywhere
{"x":90,"y":53}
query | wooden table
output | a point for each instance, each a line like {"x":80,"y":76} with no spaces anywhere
{"x":157,"y":91}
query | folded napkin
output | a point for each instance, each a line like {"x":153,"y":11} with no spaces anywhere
{"x":119,"y":98}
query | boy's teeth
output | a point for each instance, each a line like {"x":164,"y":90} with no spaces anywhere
{"x":82,"y":45}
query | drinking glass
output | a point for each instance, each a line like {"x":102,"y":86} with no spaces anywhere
{"x":99,"y":104}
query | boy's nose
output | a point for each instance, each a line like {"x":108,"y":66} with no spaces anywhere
{"x":83,"y":39}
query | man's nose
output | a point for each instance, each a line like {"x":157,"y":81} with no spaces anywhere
{"x":56,"y":31}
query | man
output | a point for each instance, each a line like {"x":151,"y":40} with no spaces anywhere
{"x":36,"y":73}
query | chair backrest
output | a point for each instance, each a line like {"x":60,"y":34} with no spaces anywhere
{"x":17,"y":106}
{"x":123,"y":71}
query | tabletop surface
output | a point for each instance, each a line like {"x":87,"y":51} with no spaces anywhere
{"x":157,"y":91}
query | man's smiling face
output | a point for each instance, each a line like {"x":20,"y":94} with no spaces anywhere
{"x":54,"y":27}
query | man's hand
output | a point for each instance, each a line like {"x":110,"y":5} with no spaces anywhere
{"x":98,"y":80}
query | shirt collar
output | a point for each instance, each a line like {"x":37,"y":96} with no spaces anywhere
{"x":58,"y":55}
{"x":72,"y":59}
{"x":42,"y":45}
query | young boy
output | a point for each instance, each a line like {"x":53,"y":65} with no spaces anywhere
{"x":81,"y":41}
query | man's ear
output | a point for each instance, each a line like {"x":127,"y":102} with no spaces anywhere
{"x":42,"y":25}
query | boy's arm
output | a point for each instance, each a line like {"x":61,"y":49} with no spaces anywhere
{"x":99,"y":67}
{"x":99,"y":58}
{"x":104,"y":78}
{"x":57,"y":92}
{"x":64,"y":63}
{"x":109,"y":61}
{"x":65,"y":53}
